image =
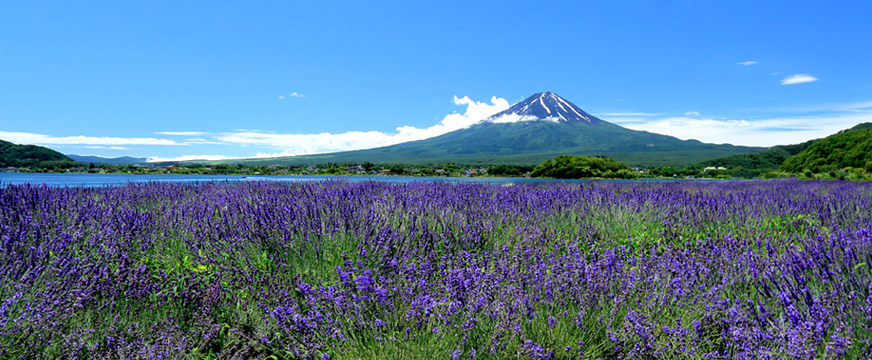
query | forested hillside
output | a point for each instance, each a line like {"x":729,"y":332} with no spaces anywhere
{"x":847,"y":149}
{"x":27,"y":155}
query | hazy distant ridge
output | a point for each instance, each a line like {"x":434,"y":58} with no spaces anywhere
{"x":92,"y":159}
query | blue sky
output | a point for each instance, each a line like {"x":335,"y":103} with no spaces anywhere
{"x":241,"y":79}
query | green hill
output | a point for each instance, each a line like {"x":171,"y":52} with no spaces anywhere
{"x":28,"y":155}
{"x":754,"y":165}
{"x":841,"y":150}
{"x":850,"y":148}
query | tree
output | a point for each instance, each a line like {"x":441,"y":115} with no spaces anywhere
{"x":577,"y":167}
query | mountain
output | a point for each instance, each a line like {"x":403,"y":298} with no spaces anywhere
{"x":536,"y":129}
{"x":848,"y":148}
{"x":546,"y":106}
{"x":27,"y":155}
{"x":92,"y":159}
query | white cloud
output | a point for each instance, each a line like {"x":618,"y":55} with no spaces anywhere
{"x":511,"y":118}
{"x":747,"y":63}
{"x":761,"y":132}
{"x":42,"y":139}
{"x":692,"y":113}
{"x":626,"y":114}
{"x":293,"y":94}
{"x":798,"y":79}
{"x":187,"y":157}
{"x":298,"y":144}
{"x":180,"y":133}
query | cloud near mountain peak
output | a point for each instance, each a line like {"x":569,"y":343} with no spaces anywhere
{"x":299,"y":144}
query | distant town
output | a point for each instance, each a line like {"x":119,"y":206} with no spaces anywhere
{"x":367,"y":169}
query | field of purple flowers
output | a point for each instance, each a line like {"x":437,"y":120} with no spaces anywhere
{"x":758,"y":270}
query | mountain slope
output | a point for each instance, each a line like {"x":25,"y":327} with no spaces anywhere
{"x":848,"y":148}
{"x":537,"y":129}
{"x":535,"y":142}
{"x":27,"y":155}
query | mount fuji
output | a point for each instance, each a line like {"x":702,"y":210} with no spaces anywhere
{"x":546,"y":106}
{"x":536,"y":129}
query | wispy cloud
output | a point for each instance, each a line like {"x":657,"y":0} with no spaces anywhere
{"x":859,"y":107}
{"x":297,"y":144}
{"x":692,"y":113}
{"x":201,"y":141}
{"x":42,"y":139}
{"x":180,"y":133}
{"x":186,"y":158}
{"x":292,"y":95}
{"x":747,"y":63}
{"x":756,"y":132}
{"x":106,"y":147}
{"x":798,"y":79}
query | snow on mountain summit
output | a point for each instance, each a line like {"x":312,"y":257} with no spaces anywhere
{"x":545,"y":106}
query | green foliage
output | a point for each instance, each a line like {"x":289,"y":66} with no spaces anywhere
{"x":861,"y":126}
{"x":796,"y":148}
{"x":577,"y":167}
{"x":332,"y":169}
{"x":768,"y":159}
{"x":509,"y":170}
{"x":847,"y":149}
{"x":30,"y":155}
{"x":753,"y":165}
{"x":397,"y":170}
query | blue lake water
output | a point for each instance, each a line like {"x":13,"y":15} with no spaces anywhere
{"x":94,"y":180}
{"x":56,"y":179}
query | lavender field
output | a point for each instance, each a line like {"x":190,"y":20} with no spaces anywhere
{"x":755,"y":270}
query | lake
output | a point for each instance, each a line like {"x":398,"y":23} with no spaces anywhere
{"x":94,"y":180}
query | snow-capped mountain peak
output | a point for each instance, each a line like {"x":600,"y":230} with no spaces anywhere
{"x":545,"y":106}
